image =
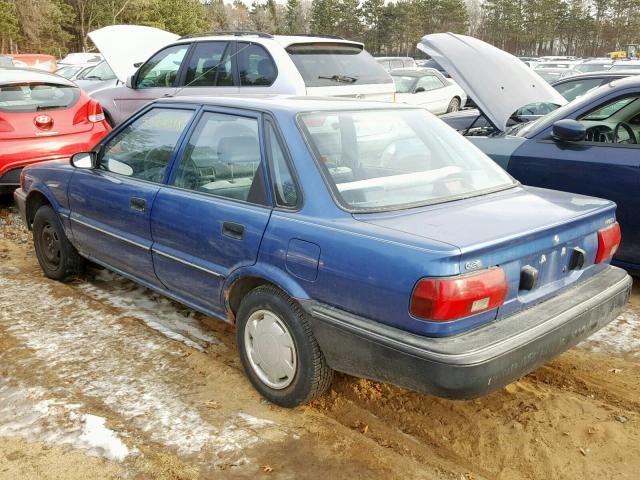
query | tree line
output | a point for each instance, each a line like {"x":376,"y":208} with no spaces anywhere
{"x":523,"y":27}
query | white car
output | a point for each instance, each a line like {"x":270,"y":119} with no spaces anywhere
{"x":428,"y":88}
{"x":246,"y":63}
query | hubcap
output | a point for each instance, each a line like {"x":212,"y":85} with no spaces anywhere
{"x":51,"y":245}
{"x":270,"y":349}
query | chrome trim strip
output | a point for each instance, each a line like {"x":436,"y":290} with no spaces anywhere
{"x":189,"y":264}
{"x":114,"y":235}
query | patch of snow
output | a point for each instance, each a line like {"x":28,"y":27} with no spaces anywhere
{"x":128,"y":369}
{"x":620,"y":336}
{"x":24,"y":413}
{"x":156,"y":311}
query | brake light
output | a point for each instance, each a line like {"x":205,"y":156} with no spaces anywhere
{"x":608,"y":242}
{"x":451,"y":298}
{"x":95,"y":112}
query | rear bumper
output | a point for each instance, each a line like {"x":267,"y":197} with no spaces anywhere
{"x":10,"y":180}
{"x":474,"y":363}
{"x":20,"y":200}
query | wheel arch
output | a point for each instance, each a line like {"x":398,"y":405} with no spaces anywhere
{"x":244,"y":280}
{"x":35,"y":200}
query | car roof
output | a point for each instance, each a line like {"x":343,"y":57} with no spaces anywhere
{"x":14,"y":75}
{"x":285,"y":103}
{"x":588,"y":76}
{"x":283,"y":40}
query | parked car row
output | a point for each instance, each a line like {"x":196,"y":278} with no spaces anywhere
{"x":339,"y":233}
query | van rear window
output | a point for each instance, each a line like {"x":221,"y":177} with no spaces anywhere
{"x":35,"y":97}
{"x":330,"y":64}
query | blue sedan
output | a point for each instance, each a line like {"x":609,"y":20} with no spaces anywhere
{"x":361,"y":237}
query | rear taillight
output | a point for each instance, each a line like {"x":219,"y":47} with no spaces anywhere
{"x":608,"y":242}
{"x":450,"y":298}
{"x":95,"y":113}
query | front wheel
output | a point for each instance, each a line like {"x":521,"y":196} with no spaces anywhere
{"x":278,"y":350}
{"x":58,"y":259}
{"x":454,"y":105}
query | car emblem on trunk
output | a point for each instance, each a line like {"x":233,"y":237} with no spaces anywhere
{"x":43,"y":122}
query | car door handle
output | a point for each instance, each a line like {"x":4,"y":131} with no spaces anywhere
{"x":233,"y":230}
{"x":138,"y":204}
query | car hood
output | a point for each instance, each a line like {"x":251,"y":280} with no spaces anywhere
{"x":122,"y":46}
{"x":498,"y":82}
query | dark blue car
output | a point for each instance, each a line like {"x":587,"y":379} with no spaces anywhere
{"x":589,"y":145}
{"x":361,"y":237}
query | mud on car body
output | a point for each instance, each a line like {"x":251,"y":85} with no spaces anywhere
{"x":354,"y":236}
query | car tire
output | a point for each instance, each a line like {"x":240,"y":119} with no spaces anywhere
{"x":454,"y":105}
{"x":278,"y":350}
{"x":58,"y":259}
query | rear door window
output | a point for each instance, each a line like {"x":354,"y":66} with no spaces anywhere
{"x":35,"y":97}
{"x":210,"y":65}
{"x":255,"y":65}
{"x":330,"y":64}
{"x":429,"y":82}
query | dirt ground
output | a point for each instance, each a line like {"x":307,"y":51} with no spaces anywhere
{"x":103,"y":379}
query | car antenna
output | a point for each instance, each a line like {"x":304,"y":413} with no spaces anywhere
{"x":202,"y":74}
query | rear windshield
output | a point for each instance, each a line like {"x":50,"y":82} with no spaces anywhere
{"x":404,"y":84}
{"x":336,"y":64}
{"x":34,"y":97}
{"x":389,"y":159}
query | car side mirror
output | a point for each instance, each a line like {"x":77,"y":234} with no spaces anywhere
{"x":130,"y":83}
{"x":568,"y":130}
{"x":419,"y":90}
{"x":84,"y":160}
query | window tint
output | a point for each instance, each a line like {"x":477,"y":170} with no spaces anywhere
{"x":162,"y":69}
{"x":429,"y":82}
{"x":33,"y":97}
{"x":210,"y":65}
{"x":144,"y":148}
{"x":223,"y":158}
{"x":255,"y":65}
{"x":284,"y":185}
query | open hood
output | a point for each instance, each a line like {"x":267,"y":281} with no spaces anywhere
{"x":122,"y":46}
{"x":498,"y":82}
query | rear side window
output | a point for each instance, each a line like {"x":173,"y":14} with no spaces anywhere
{"x":336,"y":64}
{"x":429,"y":82}
{"x":284,"y":186}
{"x":35,"y":97}
{"x":255,"y":66}
{"x":145,"y":147}
{"x":210,"y":65}
{"x":574,"y":89}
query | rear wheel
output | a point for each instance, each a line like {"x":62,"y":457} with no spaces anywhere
{"x":278,"y":350}
{"x":454,"y":105}
{"x":58,"y":259}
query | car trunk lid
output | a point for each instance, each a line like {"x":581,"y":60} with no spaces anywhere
{"x":540,"y":229}
{"x":498,"y":82}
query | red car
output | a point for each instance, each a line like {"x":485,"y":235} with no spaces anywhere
{"x":43,"y":117}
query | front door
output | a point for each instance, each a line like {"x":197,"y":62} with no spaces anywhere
{"x":111,"y":204}
{"x":157,"y":78}
{"x":210,"y":219}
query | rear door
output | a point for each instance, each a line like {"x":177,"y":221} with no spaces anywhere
{"x":209,"y":70}
{"x":210,"y":218}
{"x":110,"y":205}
